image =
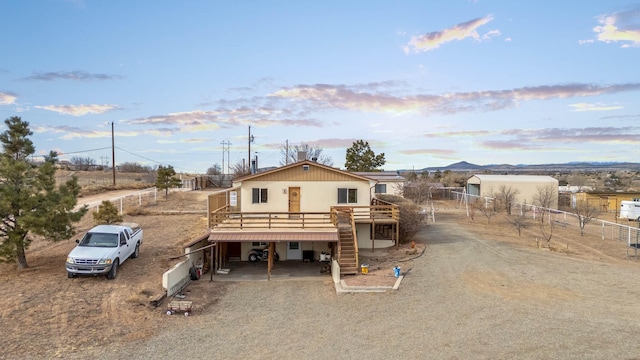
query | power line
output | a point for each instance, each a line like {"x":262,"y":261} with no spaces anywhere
{"x":140,"y":156}
{"x":83,"y":151}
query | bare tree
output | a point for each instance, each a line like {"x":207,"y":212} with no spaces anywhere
{"x":238,"y":170}
{"x":133,"y":167}
{"x":585,"y":214}
{"x":520,"y":221}
{"x":81,"y":163}
{"x":545,"y":197}
{"x":418,"y":190}
{"x":411,"y":217}
{"x":487,"y":207}
{"x":546,"y":230}
{"x":290,"y":154}
{"x":216,"y":169}
{"x":506,"y":196}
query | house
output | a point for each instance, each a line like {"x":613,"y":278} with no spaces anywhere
{"x":301,"y":211}
{"x":387,"y":182}
{"x":526,"y":186}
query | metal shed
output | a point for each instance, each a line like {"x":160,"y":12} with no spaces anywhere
{"x":526,"y":185}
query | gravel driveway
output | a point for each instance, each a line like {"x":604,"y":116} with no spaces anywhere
{"x":466,"y":298}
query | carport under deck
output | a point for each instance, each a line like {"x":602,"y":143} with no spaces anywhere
{"x":281,"y":270}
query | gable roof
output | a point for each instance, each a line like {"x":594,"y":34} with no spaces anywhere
{"x":269,"y":174}
{"x":514,"y":178}
{"x":386,"y":176}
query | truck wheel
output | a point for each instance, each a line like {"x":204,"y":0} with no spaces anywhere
{"x":70,"y":275}
{"x":113,"y":271}
{"x":193,"y":273}
{"x":136,"y":252}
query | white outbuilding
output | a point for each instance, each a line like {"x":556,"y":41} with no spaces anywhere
{"x":526,"y":186}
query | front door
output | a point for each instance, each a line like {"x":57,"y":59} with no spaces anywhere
{"x":294,"y":202}
{"x":294,"y":251}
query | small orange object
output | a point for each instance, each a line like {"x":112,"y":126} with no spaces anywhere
{"x":413,"y":244}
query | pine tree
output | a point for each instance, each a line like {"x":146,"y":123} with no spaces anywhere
{"x":30,"y":202}
{"x":166,"y":179}
{"x":360,"y":157}
{"x":107,"y":214}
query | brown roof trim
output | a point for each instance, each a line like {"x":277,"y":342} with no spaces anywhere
{"x":197,"y":240}
{"x":303,"y":236}
{"x":304,"y":162}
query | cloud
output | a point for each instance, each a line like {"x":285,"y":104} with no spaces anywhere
{"x":491,"y":34}
{"x":545,"y":139}
{"x":428,"y":152}
{"x":458,"y":134}
{"x":593,"y":107}
{"x":620,"y":27}
{"x":7,"y":98}
{"x":79,"y":110}
{"x":323,"y":96}
{"x":70,"y":132}
{"x":77,"y":75}
{"x":541,"y":138}
{"x":433,"y":40}
{"x":210,"y":120}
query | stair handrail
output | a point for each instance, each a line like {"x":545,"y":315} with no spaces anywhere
{"x":355,"y":239}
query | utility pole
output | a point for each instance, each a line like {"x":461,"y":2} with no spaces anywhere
{"x":113,"y":155}
{"x":227,"y":143}
{"x":250,"y":140}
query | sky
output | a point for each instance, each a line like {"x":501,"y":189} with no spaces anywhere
{"x":427,"y":82}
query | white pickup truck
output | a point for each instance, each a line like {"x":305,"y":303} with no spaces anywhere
{"x":103,"y":249}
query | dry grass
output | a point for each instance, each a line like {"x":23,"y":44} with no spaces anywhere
{"x":95,"y":182}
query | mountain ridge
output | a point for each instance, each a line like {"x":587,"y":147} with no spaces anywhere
{"x":464,"y":166}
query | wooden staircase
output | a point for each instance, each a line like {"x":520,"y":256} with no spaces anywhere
{"x":347,"y":247}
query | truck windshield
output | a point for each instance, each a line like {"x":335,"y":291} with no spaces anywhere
{"x":99,"y":240}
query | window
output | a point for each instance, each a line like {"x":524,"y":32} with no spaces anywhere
{"x":347,"y":196}
{"x":381,"y":188}
{"x":258,"y":196}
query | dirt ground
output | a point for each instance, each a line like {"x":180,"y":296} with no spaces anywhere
{"x":58,"y":315}
{"x":44,"y":314}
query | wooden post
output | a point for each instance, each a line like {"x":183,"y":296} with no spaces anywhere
{"x":212,"y":264}
{"x":270,"y":259}
{"x":373,"y":236}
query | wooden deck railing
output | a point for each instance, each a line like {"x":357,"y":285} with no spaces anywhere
{"x":377,"y":213}
{"x":224,"y":219}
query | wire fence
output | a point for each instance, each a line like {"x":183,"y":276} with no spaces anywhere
{"x":607,"y":230}
{"x":123,"y":203}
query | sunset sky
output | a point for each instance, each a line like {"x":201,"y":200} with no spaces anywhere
{"x":426,"y":82}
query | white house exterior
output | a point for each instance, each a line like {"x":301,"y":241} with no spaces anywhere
{"x":283,"y":199}
{"x":387,"y":182}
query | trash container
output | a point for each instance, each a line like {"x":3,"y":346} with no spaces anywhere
{"x":396,"y":271}
{"x":364,"y":268}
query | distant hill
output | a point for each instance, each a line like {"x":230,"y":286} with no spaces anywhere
{"x":464,"y":166}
